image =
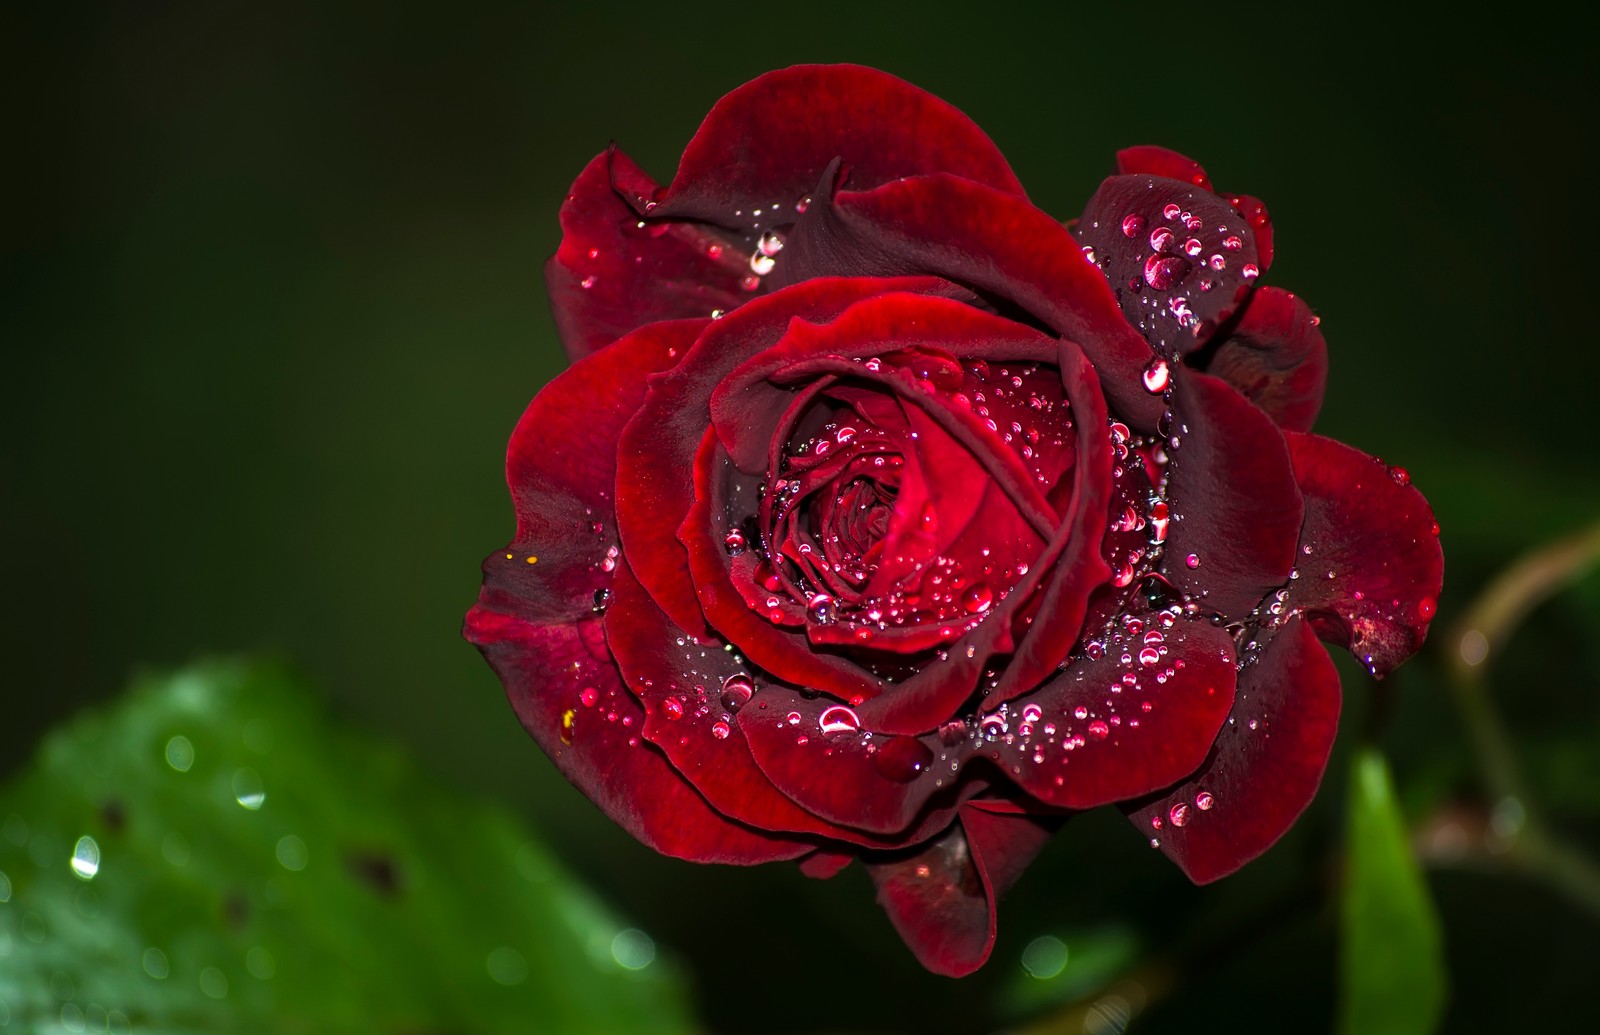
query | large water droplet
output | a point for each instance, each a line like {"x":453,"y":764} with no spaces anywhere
{"x":1157,"y":376}
{"x":839,"y":719}
{"x":821,"y":609}
{"x":1132,"y":225}
{"x":247,"y":789}
{"x":86,"y":858}
{"x":1161,"y":238}
{"x":977,"y":598}
{"x":734,"y":541}
{"x":1099,"y":730}
{"x":736,"y":691}
{"x":1203,"y":801}
{"x":902,"y":759}
{"x":1178,"y":814}
{"x":1163,"y":271}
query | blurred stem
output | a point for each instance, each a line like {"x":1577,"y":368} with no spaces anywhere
{"x":1481,"y":634}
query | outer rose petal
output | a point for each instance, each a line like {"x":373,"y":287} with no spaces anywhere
{"x":1159,"y":161}
{"x":1265,"y":767}
{"x":766,"y":144}
{"x":1178,"y":258}
{"x":610,"y":276}
{"x":1276,"y":357}
{"x":1374,"y":534}
{"x":1238,"y":509}
{"x":994,"y":242}
{"x":942,"y":898}
{"x":535,"y":621}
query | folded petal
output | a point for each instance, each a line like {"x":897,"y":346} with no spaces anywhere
{"x":614,"y":274}
{"x":941,"y":898}
{"x":1236,"y":504}
{"x":1276,"y":357}
{"x":1265,"y":767}
{"x":1371,"y":566}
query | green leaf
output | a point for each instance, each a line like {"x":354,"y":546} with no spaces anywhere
{"x":1391,"y":959}
{"x":210,"y":856}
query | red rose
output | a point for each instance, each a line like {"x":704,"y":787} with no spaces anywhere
{"x":882,"y":516}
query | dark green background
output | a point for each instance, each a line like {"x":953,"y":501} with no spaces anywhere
{"x":273,"y":303}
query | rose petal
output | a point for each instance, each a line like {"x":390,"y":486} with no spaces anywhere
{"x":1371,"y":566}
{"x":1159,"y":161}
{"x":1178,"y":258}
{"x":1276,"y":357}
{"x":1265,"y":767}
{"x":765,"y":145}
{"x":941,"y":899}
{"x":1237,"y":508}
{"x":536,"y":624}
{"x":611,"y":276}
{"x":994,"y":242}
{"x":691,"y":692}
{"x":824,"y":865}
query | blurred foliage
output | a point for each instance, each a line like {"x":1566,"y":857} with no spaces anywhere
{"x":210,"y":856}
{"x":1391,"y":965}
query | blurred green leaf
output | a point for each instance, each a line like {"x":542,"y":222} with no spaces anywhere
{"x":1064,"y":966}
{"x":1391,"y":960}
{"x":210,"y":856}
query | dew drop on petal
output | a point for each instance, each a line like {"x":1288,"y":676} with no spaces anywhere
{"x":1162,"y":272}
{"x":1099,"y":730}
{"x":719,"y":729}
{"x":977,"y":598}
{"x":1203,"y":801}
{"x":736,"y":692}
{"x":839,"y":719}
{"x":1179,"y":814}
{"x":1193,"y":560}
{"x":1157,"y":376}
{"x":1132,"y":225}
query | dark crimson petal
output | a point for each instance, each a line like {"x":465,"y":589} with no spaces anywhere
{"x":1159,"y":161}
{"x":942,"y":898}
{"x":547,"y":668}
{"x":1178,"y":258}
{"x":1277,"y":358}
{"x":610,"y":276}
{"x":1133,"y":737}
{"x":535,"y":620}
{"x":1236,"y":505}
{"x":1144,"y":725}
{"x":823,"y":864}
{"x":766,"y":144}
{"x":1265,"y":767}
{"x":691,"y":691}
{"x":988,"y":240}
{"x":1371,"y":566}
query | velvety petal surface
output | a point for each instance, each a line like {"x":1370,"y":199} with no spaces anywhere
{"x":1371,"y":566}
{"x":993,"y":242}
{"x":537,"y":623}
{"x":766,"y":144}
{"x":613,"y":273}
{"x":1265,"y":767}
{"x":1276,"y":357}
{"x":1160,"y":161}
{"x":941,"y":899}
{"x":1237,"y":507}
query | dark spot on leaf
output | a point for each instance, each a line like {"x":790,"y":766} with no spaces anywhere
{"x":113,"y":815}
{"x":377,"y":870}
{"x":235,"y":909}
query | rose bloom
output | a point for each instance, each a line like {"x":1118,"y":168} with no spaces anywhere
{"x":881,"y":516}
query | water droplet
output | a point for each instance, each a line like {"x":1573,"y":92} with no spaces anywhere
{"x":672,"y":708}
{"x":1203,"y":801}
{"x":749,"y":282}
{"x":839,"y":719}
{"x":588,"y":282}
{"x":1400,"y":475}
{"x":1149,"y":656}
{"x":719,"y":729}
{"x":736,"y":692}
{"x":1157,"y":376}
{"x":771,"y":243}
{"x":1193,"y":560}
{"x":1192,"y":247}
{"x":506,"y":966}
{"x":1132,"y":225}
{"x":902,"y":759}
{"x":86,"y":858}
{"x":589,"y":696}
{"x":1427,"y":607}
{"x":1080,"y":712}
{"x":180,"y":753}
{"x":1250,"y":271}
{"x":1162,"y":272}
{"x":1161,"y":238}
{"x":214,"y":983}
{"x":632,"y":949}
{"x":155,"y":963}
{"x":821,"y":610}
{"x":1178,"y":814}
{"x":977,"y":598}
{"x":1099,"y":730}
{"x":803,"y":204}
{"x":247,"y":789}
{"x":761,"y":264}
{"x":1233,"y":244}
{"x":292,"y":854}
{"x":1171,"y":211}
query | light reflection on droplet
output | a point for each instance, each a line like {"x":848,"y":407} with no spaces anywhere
{"x":86,"y":858}
{"x":155,"y":963}
{"x":213,"y":983}
{"x":507,"y":966}
{"x":633,"y":949}
{"x":180,"y":753}
{"x":175,"y":849}
{"x":1045,"y":957}
{"x":247,"y":789}
{"x":292,"y":854}
{"x":260,"y":964}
